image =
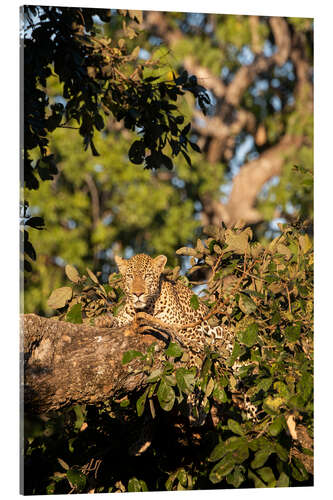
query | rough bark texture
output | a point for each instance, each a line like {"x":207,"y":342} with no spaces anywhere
{"x":66,"y":363}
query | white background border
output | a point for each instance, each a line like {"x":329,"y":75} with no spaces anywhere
{"x":9,"y":120}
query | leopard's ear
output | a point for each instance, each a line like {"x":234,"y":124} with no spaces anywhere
{"x":121,"y":263}
{"x":159,"y":262}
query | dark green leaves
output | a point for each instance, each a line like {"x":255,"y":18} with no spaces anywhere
{"x":194,"y":302}
{"x":166,"y":395}
{"x":222,"y":469}
{"x":249,"y":337}
{"x":136,"y":152}
{"x":130,"y":355}
{"x":174,"y":350}
{"x":76,"y":478}
{"x":74,"y":315}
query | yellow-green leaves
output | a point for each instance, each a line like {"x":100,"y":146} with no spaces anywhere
{"x":72,"y":273}
{"x":60,"y":297}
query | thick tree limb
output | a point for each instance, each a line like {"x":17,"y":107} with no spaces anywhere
{"x":66,"y":363}
{"x":247,"y":184}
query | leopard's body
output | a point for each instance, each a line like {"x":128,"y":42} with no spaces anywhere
{"x":147,"y":290}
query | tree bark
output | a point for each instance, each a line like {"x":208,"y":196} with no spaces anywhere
{"x":247,"y":184}
{"x":66,"y":363}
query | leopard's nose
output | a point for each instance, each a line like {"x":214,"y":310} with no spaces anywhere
{"x":138,"y":295}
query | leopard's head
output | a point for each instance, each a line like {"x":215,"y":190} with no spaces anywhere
{"x":142,"y":278}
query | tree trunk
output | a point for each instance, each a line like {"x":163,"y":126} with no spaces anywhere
{"x":65,"y":363}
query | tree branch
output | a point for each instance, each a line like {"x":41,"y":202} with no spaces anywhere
{"x":65,"y":363}
{"x":247,"y":184}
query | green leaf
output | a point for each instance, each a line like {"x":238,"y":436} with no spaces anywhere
{"x":298,"y":470}
{"x":166,"y":396}
{"x":185,"y":380}
{"x":267,"y":475}
{"x":154,"y":376}
{"x":80,"y":416}
{"x":246,"y":304}
{"x":261,"y":457}
{"x":77,"y":478}
{"x":74,"y":315}
{"x":60,"y":297}
{"x":134,"y":485}
{"x":236,"y":477}
{"x":140,"y":404}
{"x":236,"y":352}
{"x":264,"y":384}
{"x":219,"y":393}
{"x":258,"y":483}
{"x":232,"y":444}
{"x":131,"y":354}
{"x":221,"y":469}
{"x":281,"y":452}
{"x":283,"y":481}
{"x":249,"y":337}
{"x":235,"y":427}
{"x":72,"y":273}
{"x":174,"y":350}
{"x":276,"y":426}
{"x":194,"y":302}
{"x":292,"y":333}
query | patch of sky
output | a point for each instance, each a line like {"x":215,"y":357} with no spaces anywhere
{"x":291,"y":100}
{"x":109,"y":253}
{"x":274,"y":181}
{"x":241,"y":152}
{"x":259,"y":87}
{"x":179,"y":183}
{"x":199,"y":289}
{"x":195,"y":19}
{"x":71,"y":224}
{"x":209,"y":28}
{"x":59,"y":261}
{"x":276,"y":102}
{"x":97,"y":20}
{"x":98,"y":167}
{"x":273,"y":228}
{"x":155,"y":40}
{"x":59,"y":99}
{"x":34,"y":210}
{"x":128,"y":253}
{"x":144,"y":54}
{"x":246,"y":56}
{"x":211,"y":108}
{"x":200,"y":122}
{"x":285,"y":71}
{"x":107,"y":220}
{"x":225,"y":72}
{"x":269,"y":49}
{"x":275,"y":83}
{"x":198,"y":206}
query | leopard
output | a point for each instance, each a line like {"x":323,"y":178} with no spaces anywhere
{"x":148,"y":290}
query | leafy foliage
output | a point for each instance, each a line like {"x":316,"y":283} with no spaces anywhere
{"x":265,"y":295}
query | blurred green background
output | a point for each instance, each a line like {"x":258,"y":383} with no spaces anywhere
{"x":258,"y":71}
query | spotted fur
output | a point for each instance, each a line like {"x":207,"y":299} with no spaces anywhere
{"x":148,"y":290}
